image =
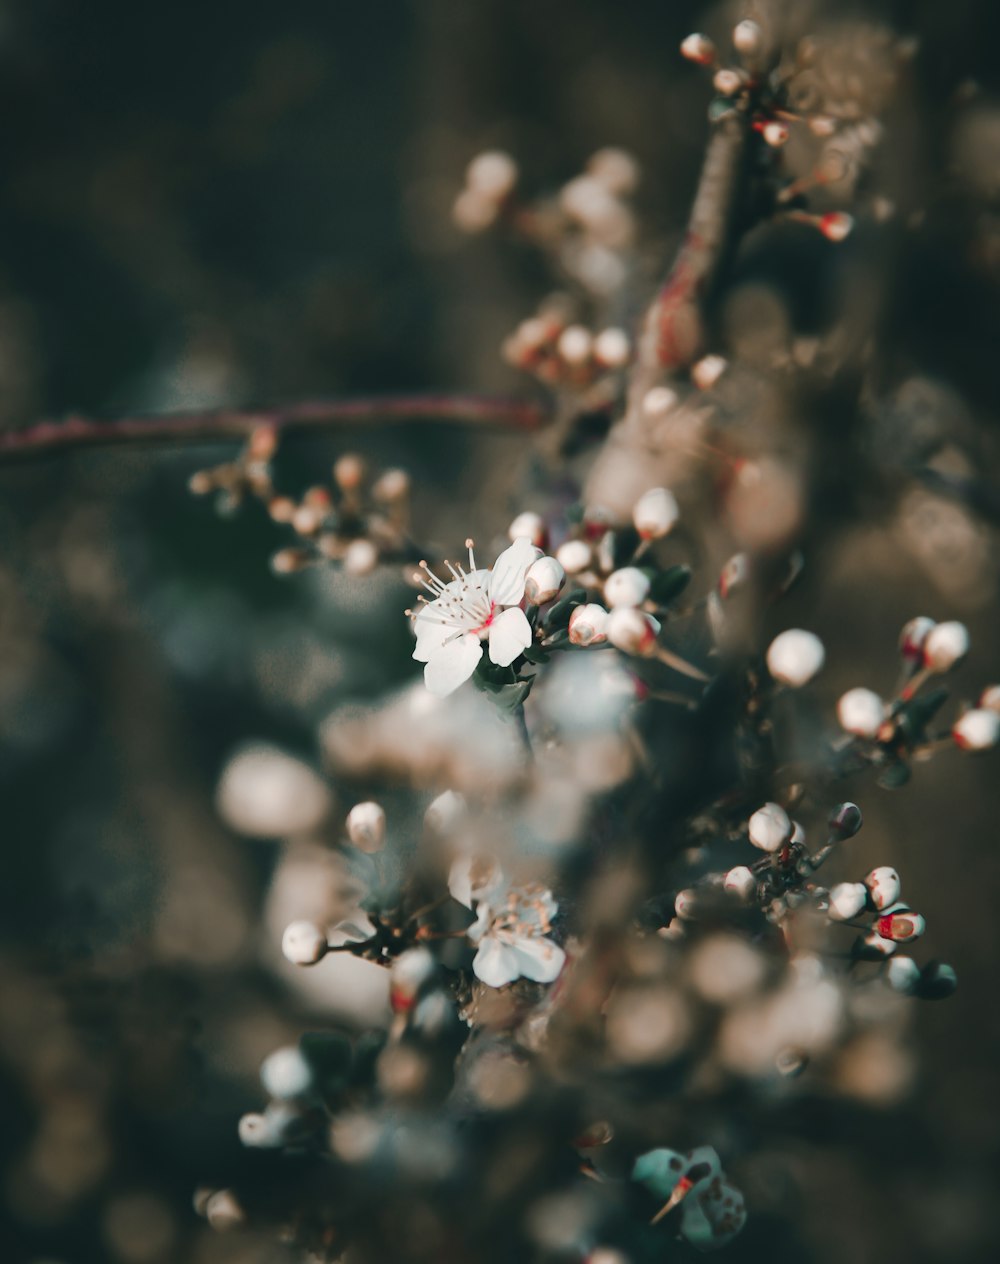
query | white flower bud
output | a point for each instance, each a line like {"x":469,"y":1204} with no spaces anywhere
{"x":222,"y":1211}
{"x":747,"y":37}
{"x":658,"y":401}
{"x":528,"y":526}
{"x":769,"y":827}
{"x":633,"y":631}
{"x":733,"y":575}
{"x":285,"y":1073}
{"x":474,"y":212}
{"x":655,"y":513}
{"x":366,"y":826}
{"x":588,"y":625}
{"x":977,"y":730}
{"x":612,"y":348}
{"x":946,"y":645}
{"x":492,"y":173}
{"x":303,"y":943}
{"x":795,"y":656}
{"x":256,"y":1130}
{"x":575,"y":344}
{"x":740,"y":882}
{"x":990,"y":698}
{"x":626,"y":587}
{"x":775,"y":133}
{"x":699,"y":49}
{"x":543,"y":581}
{"x":707,"y":371}
{"x":616,"y":169}
{"x":685,"y":904}
{"x":445,"y":812}
{"x":391,"y":486}
{"x":900,"y":924}
{"x":728,"y":82}
{"x":847,"y":899}
{"x":913,"y":637}
{"x":574,"y":556}
{"x":872,"y":946}
{"x":884,"y":886}
{"x":360,"y":557}
{"x":861,"y":711}
{"x":902,"y":974}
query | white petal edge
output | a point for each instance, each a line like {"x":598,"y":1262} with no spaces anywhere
{"x":510,"y":635}
{"x":539,"y":959}
{"x":494,"y":963}
{"x":452,"y":664}
{"x":507,"y":577}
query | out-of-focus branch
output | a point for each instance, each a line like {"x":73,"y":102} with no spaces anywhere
{"x":47,"y":437}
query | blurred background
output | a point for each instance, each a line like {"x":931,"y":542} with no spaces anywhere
{"x":204,"y":204}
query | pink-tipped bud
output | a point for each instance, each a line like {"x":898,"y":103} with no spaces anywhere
{"x":699,"y":49}
{"x":633,"y":631}
{"x":883,"y":886}
{"x":847,"y":899}
{"x":977,"y":730}
{"x":794,"y":657}
{"x":655,"y":513}
{"x":845,"y":820}
{"x":770,"y":828}
{"x":740,"y":882}
{"x":686,"y":904}
{"x":861,"y":711}
{"x":835,"y":225}
{"x":349,"y":472}
{"x":366,"y":826}
{"x":775,"y":133}
{"x":407,"y":975}
{"x":543,"y":581}
{"x":946,"y":645}
{"x":913,"y":638}
{"x":733,"y":575}
{"x":728,"y":82}
{"x":901,"y":925}
{"x":628,"y":586}
{"x":528,"y":526}
{"x":588,"y":625}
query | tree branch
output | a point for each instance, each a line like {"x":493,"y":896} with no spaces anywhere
{"x":45,"y":438}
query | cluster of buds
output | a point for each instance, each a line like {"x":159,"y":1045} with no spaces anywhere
{"x":712,"y":1208}
{"x":248,"y":475}
{"x":564,"y":353}
{"x":889,"y":734}
{"x":587,"y":227}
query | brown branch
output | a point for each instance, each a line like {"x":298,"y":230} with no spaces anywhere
{"x":44,"y":438}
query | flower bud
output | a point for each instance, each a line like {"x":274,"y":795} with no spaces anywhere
{"x":626,"y":587}
{"x":658,"y":401}
{"x":740,"y":882}
{"x":872,"y":947}
{"x":391,"y":486}
{"x":575,"y":344}
{"x":884,"y":886}
{"x":686,"y":904}
{"x":543,"y":581}
{"x":407,"y":975}
{"x":699,"y":49}
{"x":633,"y":631}
{"x":977,"y":730}
{"x":836,"y":225}
{"x":795,"y":656}
{"x":612,"y":348}
{"x":845,"y":820}
{"x":588,"y":625}
{"x":937,"y":981}
{"x":990,"y":698}
{"x":733,"y":575}
{"x":445,"y":812}
{"x":775,"y":133}
{"x":655,"y":513}
{"x":528,"y":526}
{"x":728,"y":82}
{"x":847,"y":899}
{"x":903,"y":974}
{"x":349,"y":472}
{"x":256,"y":1130}
{"x":222,"y":1211}
{"x":900,"y":925}
{"x":747,"y":37}
{"x":366,"y":827}
{"x":360,"y":557}
{"x":303,"y":943}
{"x":769,"y":827}
{"x":574,"y":556}
{"x":913,"y":637}
{"x":861,"y":711}
{"x":492,"y":173}
{"x":946,"y":645}
{"x":285,"y":1073}
{"x":707,"y":371}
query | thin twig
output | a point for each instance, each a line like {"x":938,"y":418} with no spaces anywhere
{"x":46,"y":437}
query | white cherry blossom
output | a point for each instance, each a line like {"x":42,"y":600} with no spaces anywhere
{"x":475,"y":606}
{"x":511,"y":930}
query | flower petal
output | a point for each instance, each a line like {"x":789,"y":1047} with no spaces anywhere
{"x":431,"y":632}
{"x":539,"y":959}
{"x":452,"y":664}
{"x":494,"y":963}
{"x":510,"y":635}
{"x":509,"y":570}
